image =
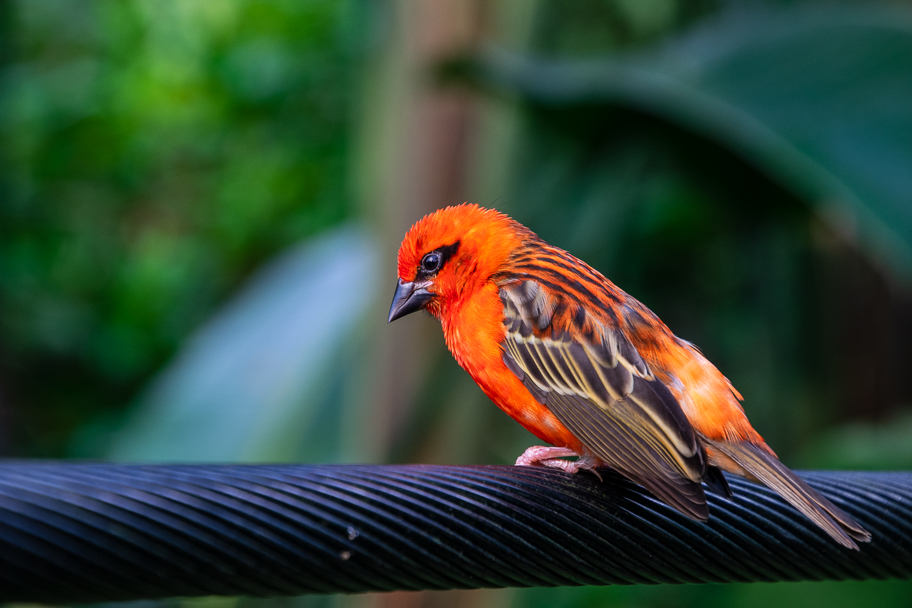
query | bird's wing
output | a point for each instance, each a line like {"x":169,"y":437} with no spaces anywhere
{"x":602,"y":391}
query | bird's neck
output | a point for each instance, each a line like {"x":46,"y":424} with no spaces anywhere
{"x":473,"y":327}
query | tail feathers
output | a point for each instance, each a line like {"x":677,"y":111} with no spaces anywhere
{"x":715,"y":481}
{"x":773,"y":474}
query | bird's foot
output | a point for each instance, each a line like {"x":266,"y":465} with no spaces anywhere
{"x":542,"y":456}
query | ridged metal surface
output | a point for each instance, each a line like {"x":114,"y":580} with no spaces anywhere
{"x":91,"y":532}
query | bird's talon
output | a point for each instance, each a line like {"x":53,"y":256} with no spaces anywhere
{"x":588,"y":463}
{"x":543,"y":456}
{"x":539,"y":455}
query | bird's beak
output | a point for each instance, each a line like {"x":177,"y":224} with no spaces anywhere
{"x":408,"y":298}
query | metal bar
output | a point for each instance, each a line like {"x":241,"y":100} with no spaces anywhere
{"x":77,"y":533}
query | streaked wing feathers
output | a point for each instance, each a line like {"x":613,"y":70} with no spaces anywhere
{"x":604,"y":393}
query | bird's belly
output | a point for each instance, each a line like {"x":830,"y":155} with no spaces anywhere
{"x":510,"y":395}
{"x":474,"y":337}
{"x":508,"y":392}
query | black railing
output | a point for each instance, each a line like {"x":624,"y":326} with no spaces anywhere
{"x":74,"y":533}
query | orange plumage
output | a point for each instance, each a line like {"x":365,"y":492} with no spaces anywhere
{"x":586,"y":367}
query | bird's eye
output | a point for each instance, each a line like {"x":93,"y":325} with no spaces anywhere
{"x":430,"y":262}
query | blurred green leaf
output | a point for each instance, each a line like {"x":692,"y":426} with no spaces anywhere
{"x":252,"y":384}
{"x":818,"y":97}
{"x":153,"y":154}
{"x":847,"y":594}
{"x":864,"y":446}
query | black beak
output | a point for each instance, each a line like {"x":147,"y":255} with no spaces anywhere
{"x":408,"y":298}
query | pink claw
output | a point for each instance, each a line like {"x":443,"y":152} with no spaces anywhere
{"x":539,"y":455}
{"x":542,"y":456}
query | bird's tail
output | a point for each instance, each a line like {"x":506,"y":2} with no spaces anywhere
{"x":767,"y":469}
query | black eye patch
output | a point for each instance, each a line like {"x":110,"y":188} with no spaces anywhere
{"x":433,"y":261}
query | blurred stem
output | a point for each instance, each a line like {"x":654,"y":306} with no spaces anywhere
{"x":6,"y":60}
{"x":414,"y":143}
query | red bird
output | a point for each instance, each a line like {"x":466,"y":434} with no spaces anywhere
{"x":586,"y":367}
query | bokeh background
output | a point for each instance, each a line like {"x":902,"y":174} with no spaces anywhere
{"x":200,"y":204}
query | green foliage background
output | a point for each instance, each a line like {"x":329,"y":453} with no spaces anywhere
{"x":193,"y":262}
{"x":154,"y":154}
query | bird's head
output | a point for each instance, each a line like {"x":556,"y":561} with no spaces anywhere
{"x":448,"y":255}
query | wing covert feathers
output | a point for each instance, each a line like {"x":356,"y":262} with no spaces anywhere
{"x":605,"y":395}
